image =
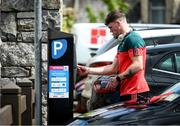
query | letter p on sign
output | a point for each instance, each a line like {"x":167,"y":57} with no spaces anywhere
{"x":58,"y":48}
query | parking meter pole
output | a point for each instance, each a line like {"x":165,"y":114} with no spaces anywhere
{"x":60,"y":77}
{"x":37,"y":45}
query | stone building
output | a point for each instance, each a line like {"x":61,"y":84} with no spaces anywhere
{"x":160,"y":11}
{"x":142,"y":11}
{"x":17,"y":55}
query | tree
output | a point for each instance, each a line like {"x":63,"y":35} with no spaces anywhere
{"x":69,"y":19}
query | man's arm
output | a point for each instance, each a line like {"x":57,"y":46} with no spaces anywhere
{"x":105,"y":70}
{"x":136,"y":66}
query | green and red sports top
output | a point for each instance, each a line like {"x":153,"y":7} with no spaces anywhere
{"x":132,"y":45}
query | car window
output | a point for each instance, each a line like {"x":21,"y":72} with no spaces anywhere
{"x":178,"y":62}
{"x":106,"y":46}
{"x":163,"y":40}
{"x":149,"y":41}
{"x":167,"y":64}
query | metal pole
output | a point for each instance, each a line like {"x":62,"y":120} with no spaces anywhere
{"x":76,"y":5}
{"x":0,"y":41}
{"x":60,"y":14}
{"x":0,"y":11}
{"x":37,"y":45}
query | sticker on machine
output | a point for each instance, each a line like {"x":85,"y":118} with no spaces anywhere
{"x":58,"y":81}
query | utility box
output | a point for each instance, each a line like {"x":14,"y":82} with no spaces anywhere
{"x":61,"y":66}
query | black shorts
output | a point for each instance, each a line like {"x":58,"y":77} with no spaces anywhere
{"x":141,"y":98}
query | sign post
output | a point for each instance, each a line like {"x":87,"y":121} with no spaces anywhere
{"x":60,"y":77}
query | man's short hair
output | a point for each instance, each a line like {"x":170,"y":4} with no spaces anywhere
{"x":114,"y":15}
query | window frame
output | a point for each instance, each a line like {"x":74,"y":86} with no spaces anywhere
{"x":157,"y":8}
{"x":176,"y":62}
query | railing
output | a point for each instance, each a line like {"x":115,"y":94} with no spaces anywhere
{"x":16,"y":107}
{"x":6,"y":115}
{"x":27,"y":89}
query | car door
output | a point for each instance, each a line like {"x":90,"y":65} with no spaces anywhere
{"x":166,"y":72}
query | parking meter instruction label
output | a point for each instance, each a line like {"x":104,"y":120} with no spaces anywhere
{"x":58,"y":81}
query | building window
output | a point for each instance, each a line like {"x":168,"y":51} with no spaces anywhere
{"x":157,"y":11}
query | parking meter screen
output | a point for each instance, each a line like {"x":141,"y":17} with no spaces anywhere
{"x":58,"y":82}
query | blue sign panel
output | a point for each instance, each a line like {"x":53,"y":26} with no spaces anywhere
{"x":58,"y":49}
{"x":58,"y":81}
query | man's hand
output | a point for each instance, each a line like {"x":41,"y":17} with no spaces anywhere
{"x":82,"y":70}
{"x":112,"y":84}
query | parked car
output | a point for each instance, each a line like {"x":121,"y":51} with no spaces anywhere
{"x":89,"y":37}
{"x":163,"y":109}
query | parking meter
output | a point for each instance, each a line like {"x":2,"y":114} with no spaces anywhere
{"x":61,"y":68}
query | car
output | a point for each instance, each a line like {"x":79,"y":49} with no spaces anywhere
{"x":89,"y":37}
{"x":163,"y":109}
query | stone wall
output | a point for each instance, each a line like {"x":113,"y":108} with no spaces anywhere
{"x":17,"y":36}
{"x":17,"y":41}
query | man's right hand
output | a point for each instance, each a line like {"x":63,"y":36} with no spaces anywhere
{"x":82,"y":70}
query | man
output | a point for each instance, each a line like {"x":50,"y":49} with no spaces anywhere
{"x":129,"y":62}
